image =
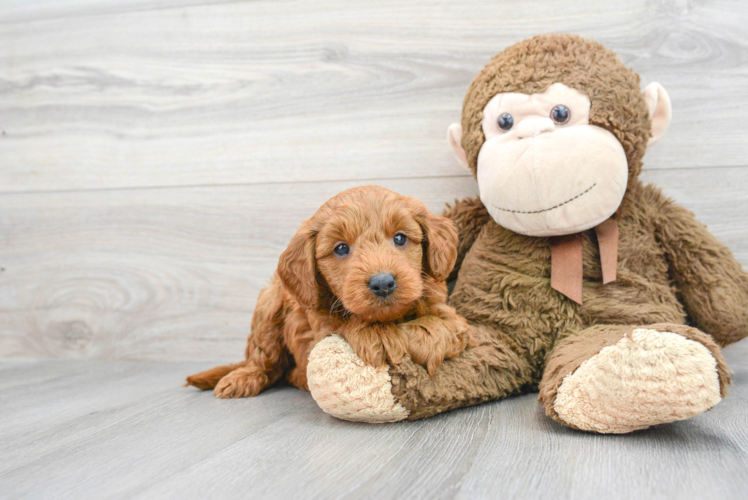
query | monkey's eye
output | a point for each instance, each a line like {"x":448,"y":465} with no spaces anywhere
{"x":400,"y":239}
{"x":505,"y":121}
{"x":560,"y":114}
{"x":341,"y":250}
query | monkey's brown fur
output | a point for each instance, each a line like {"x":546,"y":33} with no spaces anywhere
{"x":316,"y":293}
{"x":671,"y":271}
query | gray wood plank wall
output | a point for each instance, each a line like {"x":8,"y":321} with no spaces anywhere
{"x":157,"y":155}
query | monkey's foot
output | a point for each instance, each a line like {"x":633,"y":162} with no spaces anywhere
{"x":346,"y":388}
{"x":647,"y":377}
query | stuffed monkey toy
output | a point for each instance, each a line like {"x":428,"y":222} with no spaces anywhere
{"x":578,"y":281}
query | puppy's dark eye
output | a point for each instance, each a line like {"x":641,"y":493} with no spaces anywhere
{"x":400,"y":239}
{"x":506,"y":122}
{"x":560,"y":114}
{"x":341,"y":250}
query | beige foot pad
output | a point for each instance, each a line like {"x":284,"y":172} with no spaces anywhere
{"x":346,"y":388}
{"x":646,"y":378}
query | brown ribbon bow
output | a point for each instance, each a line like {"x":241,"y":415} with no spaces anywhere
{"x":566,"y":259}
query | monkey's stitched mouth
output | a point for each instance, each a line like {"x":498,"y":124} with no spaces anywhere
{"x":545,"y":209}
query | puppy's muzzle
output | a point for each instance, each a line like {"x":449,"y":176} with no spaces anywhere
{"x":382,"y":284}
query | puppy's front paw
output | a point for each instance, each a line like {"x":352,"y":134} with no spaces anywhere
{"x":432,"y":339}
{"x":240,"y":383}
{"x":346,"y":388}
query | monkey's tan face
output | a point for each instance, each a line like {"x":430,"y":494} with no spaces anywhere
{"x":543,"y":169}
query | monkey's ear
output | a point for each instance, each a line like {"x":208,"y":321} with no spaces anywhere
{"x":296,"y":268}
{"x":454,"y":137}
{"x":441,"y":244}
{"x":660,"y":111}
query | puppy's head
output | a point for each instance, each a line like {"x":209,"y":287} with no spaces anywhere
{"x":369,"y":250}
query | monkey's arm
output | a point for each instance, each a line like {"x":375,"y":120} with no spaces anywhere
{"x":712,"y":283}
{"x":469,"y":216}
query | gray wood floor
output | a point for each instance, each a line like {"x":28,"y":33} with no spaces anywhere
{"x":124,"y":429}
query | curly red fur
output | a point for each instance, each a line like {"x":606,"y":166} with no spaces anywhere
{"x":315,"y":293}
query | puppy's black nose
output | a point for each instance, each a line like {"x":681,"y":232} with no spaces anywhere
{"x":382,"y":284}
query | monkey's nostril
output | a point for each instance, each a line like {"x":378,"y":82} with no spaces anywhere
{"x":382,"y":284}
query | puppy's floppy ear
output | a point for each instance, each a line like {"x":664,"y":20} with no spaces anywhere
{"x":440,"y":242}
{"x":297,"y":270}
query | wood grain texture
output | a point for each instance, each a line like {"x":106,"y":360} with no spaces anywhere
{"x":95,"y":429}
{"x":173,"y":274}
{"x":157,"y":155}
{"x":153,"y":273}
{"x":129,"y":94}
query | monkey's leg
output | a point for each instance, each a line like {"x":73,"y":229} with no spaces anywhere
{"x":615,"y":379}
{"x":346,"y":388}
